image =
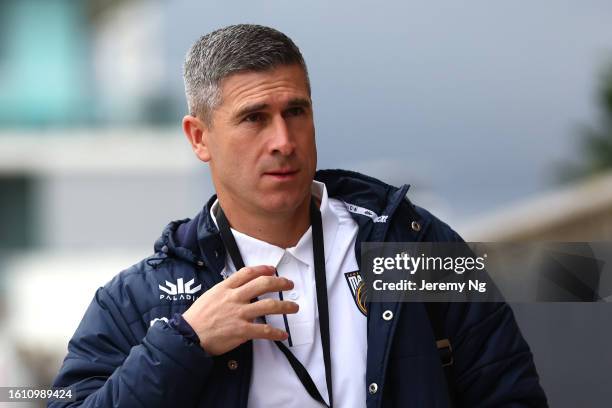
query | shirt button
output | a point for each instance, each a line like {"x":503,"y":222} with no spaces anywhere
{"x":293,"y":295}
{"x":373,"y":388}
{"x":232,"y":364}
{"x":415,"y":226}
{"x":387,"y":315}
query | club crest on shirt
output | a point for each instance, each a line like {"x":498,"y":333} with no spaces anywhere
{"x":357,"y":288}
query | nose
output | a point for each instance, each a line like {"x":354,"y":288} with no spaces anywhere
{"x":281,"y":139}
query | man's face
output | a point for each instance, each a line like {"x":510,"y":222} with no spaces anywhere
{"x":261,"y":145}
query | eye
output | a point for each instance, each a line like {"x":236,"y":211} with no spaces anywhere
{"x":254,"y":117}
{"x":295,"y":111}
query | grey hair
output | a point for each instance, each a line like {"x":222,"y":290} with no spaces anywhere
{"x":230,"y":50}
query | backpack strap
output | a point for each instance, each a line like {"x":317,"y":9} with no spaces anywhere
{"x":436,"y":312}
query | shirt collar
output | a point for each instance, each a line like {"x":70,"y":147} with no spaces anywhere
{"x":258,"y":252}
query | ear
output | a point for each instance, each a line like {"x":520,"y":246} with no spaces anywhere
{"x":197,"y":134}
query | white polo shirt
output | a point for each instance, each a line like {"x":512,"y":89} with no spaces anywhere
{"x":273,"y":381}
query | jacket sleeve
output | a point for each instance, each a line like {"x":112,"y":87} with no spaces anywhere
{"x":107,"y":367}
{"x":493,"y":364}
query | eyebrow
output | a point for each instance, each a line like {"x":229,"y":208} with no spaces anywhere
{"x":292,"y":103}
{"x":299,"y":102}
{"x":250,"y":109}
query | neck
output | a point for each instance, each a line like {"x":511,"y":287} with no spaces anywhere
{"x":281,"y":229}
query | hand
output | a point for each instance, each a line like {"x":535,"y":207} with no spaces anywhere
{"x":223,"y":316}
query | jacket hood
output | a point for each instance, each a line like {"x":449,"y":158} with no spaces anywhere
{"x":197,"y":240}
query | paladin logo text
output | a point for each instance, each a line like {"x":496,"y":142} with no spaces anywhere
{"x":179,"y":291}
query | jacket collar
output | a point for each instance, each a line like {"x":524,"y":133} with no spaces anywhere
{"x":374,"y":204}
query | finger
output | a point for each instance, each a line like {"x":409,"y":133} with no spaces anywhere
{"x":268,"y":307}
{"x":265,"y":331}
{"x":248,"y":273}
{"x":263,"y":284}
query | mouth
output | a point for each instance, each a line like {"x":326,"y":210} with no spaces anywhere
{"x":282,"y":174}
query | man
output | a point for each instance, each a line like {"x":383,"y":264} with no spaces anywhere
{"x":191,"y":327}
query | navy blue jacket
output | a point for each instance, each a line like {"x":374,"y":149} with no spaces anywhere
{"x":125,"y":354}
